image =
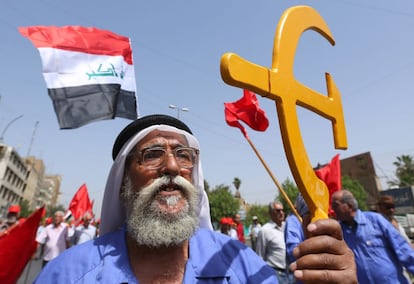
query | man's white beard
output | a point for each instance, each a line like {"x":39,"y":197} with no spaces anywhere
{"x":148,"y":224}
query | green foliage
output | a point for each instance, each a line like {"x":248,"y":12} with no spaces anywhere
{"x":261,"y":211}
{"x":237,"y":183}
{"x":404,"y":172}
{"x":25,"y":208}
{"x":222,"y":203}
{"x":357,"y":190}
{"x":50,"y":210}
{"x":291,"y":191}
{"x":206,"y":186}
{"x":348,"y":183}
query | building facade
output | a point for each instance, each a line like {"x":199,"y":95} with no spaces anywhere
{"x":25,"y":179}
{"x":13,"y":176}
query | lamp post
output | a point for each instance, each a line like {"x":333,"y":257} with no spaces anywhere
{"x":178,"y":109}
{"x":8,"y":125}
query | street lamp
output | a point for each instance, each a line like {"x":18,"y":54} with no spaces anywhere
{"x":178,"y":109}
{"x":8,"y":125}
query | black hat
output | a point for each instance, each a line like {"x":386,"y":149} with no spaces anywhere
{"x":142,"y":123}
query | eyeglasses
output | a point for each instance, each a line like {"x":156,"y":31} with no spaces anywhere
{"x":154,"y":158}
{"x":278,"y":210}
{"x":388,"y":206}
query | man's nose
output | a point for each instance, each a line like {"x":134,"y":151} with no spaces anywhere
{"x":171,"y":166}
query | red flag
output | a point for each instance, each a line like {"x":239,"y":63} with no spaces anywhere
{"x":80,"y":203}
{"x":18,"y":246}
{"x":247,"y":110}
{"x":331,"y":175}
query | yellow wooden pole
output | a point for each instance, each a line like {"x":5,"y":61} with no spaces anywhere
{"x":281,"y":190}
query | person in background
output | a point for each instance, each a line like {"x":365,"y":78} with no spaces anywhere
{"x":239,"y":228}
{"x":271,"y":243}
{"x":54,"y":238}
{"x":294,"y":233}
{"x":155,"y":223}
{"x":380,"y":250}
{"x":12,"y":218}
{"x":386,"y":206}
{"x":226,"y":227}
{"x":254,"y":229}
{"x":86,"y":231}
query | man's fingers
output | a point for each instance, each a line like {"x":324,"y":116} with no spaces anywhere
{"x":320,"y":244}
{"x":326,"y":227}
{"x":324,"y":276}
{"x":324,"y":261}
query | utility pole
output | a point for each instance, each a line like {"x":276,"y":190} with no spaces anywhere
{"x":32,"y":139}
{"x":7,"y":126}
{"x":178,"y":109}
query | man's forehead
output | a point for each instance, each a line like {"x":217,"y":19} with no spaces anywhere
{"x":157,"y":134}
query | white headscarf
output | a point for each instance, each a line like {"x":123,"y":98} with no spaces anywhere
{"x":113,"y":215}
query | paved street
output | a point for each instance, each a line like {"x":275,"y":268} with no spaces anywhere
{"x":30,"y":272}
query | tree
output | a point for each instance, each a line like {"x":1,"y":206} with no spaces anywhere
{"x":350,"y":184}
{"x":261,"y":211}
{"x":404,"y":172}
{"x":206,"y":186}
{"x":50,"y":210}
{"x":291,"y":191}
{"x":237,"y":183}
{"x":222,"y":203}
{"x":25,"y":208}
{"x":357,"y":190}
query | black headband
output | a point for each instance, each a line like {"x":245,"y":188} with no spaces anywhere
{"x":142,"y":123}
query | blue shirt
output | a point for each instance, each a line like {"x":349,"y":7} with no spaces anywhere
{"x":293,"y":235}
{"x":380,"y":250}
{"x":213,"y":258}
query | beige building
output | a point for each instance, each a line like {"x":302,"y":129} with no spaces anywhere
{"x":13,"y":174}
{"x":361,"y":168}
{"x":36,"y":172}
{"x":25,"y":179}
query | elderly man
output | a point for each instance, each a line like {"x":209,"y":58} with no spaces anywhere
{"x":271,"y":243}
{"x":380,"y":250}
{"x":155,"y":225}
{"x":85,"y":231}
{"x":54,"y":239}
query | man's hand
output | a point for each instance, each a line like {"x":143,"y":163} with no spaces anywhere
{"x":324,"y":257}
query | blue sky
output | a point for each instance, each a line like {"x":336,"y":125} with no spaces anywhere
{"x":177,"y":46}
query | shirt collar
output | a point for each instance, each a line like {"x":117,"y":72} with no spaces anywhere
{"x":204,"y":258}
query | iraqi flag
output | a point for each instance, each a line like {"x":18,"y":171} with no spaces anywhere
{"x":89,"y":73}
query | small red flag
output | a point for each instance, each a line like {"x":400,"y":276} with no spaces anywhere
{"x":331,"y":175}
{"x":247,"y":110}
{"x":18,"y":246}
{"x":80,"y":203}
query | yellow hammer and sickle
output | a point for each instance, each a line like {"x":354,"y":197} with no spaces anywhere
{"x":279,"y":84}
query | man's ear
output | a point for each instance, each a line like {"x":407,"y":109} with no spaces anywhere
{"x":124,"y":180}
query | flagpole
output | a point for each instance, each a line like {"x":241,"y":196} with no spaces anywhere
{"x":275,"y":181}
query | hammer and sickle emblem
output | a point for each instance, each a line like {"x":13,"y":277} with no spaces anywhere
{"x":279,"y":84}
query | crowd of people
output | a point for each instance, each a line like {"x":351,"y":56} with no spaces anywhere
{"x":56,"y":235}
{"x":376,"y":239}
{"x":156,"y":228}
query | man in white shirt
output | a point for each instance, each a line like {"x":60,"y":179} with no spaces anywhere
{"x":54,"y":238}
{"x":271,"y":243}
{"x":254,"y":229}
{"x":86,"y":231}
